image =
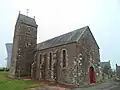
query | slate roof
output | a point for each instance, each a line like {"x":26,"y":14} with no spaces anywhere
{"x":70,"y":37}
{"x":118,"y":70}
{"x":103,"y":64}
{"x":27,"y":20}
{"x":118,"y":67}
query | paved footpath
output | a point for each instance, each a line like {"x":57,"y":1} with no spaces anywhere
{"x":109,"y":85}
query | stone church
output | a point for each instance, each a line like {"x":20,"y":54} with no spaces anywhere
{"x":71,"y":58}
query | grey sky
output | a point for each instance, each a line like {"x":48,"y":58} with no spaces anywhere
{"x":56,"y":17}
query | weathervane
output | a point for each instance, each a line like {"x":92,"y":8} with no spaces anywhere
{"x":27,"y":11}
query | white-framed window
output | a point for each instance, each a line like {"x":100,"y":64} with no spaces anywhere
{"x":50,"y":60}
{"x":64,"y":58}
{"x":40,"y":58}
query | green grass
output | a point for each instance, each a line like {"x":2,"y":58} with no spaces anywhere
{"x":14,"y":84}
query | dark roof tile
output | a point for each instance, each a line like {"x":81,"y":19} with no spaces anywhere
{"x":103,"y":64}
{"x":62,"y":39}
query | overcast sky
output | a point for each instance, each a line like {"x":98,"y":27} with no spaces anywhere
{"x":56,"y":17}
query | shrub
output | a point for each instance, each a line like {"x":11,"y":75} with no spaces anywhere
{"x":1,"y":69}
{"x":4,"y":69}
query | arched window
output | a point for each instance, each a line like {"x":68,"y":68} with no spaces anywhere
{"x":64,"y":58}
{"x":50,"y":61}
{"x":40,"y":59}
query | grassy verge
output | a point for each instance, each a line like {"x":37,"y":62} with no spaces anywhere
{"x":13,"y":84}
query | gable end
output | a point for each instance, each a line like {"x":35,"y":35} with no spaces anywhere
{"x":93,"y":37}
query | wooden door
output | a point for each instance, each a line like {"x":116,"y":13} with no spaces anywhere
{"x":91,"y":75}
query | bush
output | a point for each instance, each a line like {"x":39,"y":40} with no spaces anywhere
{"x":4,"y":69}
{"x":1,"y":69}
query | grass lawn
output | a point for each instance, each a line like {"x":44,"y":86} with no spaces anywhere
{"x":13,"y":84}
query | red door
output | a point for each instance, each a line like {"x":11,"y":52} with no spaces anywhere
{"x":91,"y":75}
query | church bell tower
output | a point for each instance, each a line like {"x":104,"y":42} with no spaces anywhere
{"x":24,"y":46}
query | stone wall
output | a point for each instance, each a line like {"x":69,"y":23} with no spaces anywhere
{"x":80,"y":56}
{"x":24,"y":47}
{"x":58,"y":72}
{"x":87,"y":54}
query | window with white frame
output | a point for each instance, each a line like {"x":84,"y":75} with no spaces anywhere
{"x":40,"y":59}
{"x":50,"y":61}
{"x":64,"y":58}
